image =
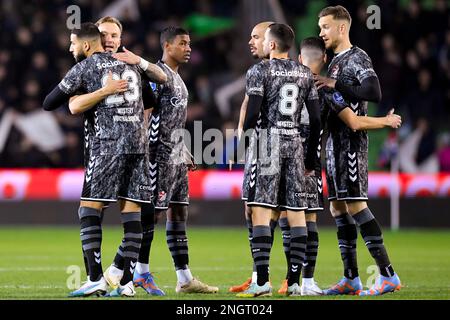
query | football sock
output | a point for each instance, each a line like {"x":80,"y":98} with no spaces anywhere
{"x":250,"y":237}
{"x":312,"y":246}
{"x":286,"y":234}
{"x":142,"y":268}
{"x":184,"y":275}
{"x":347,"y":236}
{"x":132,"y":237}
{"x":86,"y":264}
{"x":373,"y":237}
{"x":177,"y":242}
{"x":261,"y":245}
{"x":297,"y":253}
{"x":91,"y":240}
{"x":118,"y":259}
{"x":148,"y":229}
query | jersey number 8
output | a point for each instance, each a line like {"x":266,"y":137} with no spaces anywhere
{"x":133,"y":89}
{"x":288,"y":102}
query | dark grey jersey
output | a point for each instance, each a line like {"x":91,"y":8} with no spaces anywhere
{"x":351,"y":67}
{"x":285,"y":85}
{"x":169,"y":115}
{"x":116,"y":124}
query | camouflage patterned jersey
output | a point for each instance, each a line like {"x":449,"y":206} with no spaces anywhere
{"x":351,"y":67}
{"x":285,"y":85}
{"x":116,"y":124}
{"x":169,"y":116}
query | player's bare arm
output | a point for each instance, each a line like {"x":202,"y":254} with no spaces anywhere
{"x":242,"y":113}
{"x":81,"y":103}
{"x":155,"y":73}
{"x":356,"y":122}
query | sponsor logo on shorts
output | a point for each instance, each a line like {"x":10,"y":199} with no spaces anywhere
{"x":142,"y":187}
{"x":305,"y":195}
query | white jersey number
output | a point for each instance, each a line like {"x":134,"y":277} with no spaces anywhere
{"x":133,"y":88}
{"x":288,"y":102}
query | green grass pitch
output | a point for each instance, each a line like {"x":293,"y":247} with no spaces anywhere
{"x":34,"y":261}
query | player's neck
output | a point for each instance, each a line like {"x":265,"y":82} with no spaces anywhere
{"x":316,"y":68}
{"x":172,"y":64}
{"x":95,"y":49}
{"x":344,"y":45}
{"x":279,"y":55}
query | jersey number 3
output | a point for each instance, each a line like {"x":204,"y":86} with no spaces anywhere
{"x":133,"y":89}
{"x":288,"y":102}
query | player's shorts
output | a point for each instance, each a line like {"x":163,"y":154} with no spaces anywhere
{"x":313,"y":185}
{"x":108,"y":178}
{"x":169,"y":183}
{"x":347,"y":175}
{"x":279,"y":184}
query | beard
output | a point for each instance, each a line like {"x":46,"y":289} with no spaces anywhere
{"x":79,"y":57}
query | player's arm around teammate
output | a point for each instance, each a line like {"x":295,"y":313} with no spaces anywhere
{"x":355,"y":80}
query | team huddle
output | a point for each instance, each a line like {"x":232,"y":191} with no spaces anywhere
{"x":131,"y":108}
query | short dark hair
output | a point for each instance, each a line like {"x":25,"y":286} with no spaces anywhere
{"x":169,"y":33}
{"x":338,"y":13}
{"x":283,"y":34}
{"x":87,"y":30}
{"x":313,"y":43}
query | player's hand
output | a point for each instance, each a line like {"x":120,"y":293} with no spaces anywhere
{"x":127,"y":57}
{"x":393,"y":120}
{"x":189,"y":160}
{"x":310,"y":173}
{"x":322,"y":82}
{"x":114,"y":86}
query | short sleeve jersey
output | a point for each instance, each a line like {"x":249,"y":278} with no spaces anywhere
{"x":171,"y":112}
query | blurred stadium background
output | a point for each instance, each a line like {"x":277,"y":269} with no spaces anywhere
{"x":41,"y":152}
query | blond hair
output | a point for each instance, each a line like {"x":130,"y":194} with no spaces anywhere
{"x":110,"y":20}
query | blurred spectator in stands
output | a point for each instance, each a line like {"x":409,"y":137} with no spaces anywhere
{"x":417,"y":154}
{"x":444,"y":152}
{"x":391,"y":69}
{"x":426,"y":101}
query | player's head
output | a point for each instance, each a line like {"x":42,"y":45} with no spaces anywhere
{"x":257,"y":38}
{"x":313,"y":53}
{"x":334,"y":24}
{"x":176,"y":44}
{"x":278,"y":38}
{"x":111,"y":30}
{"x":84,"y":41}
